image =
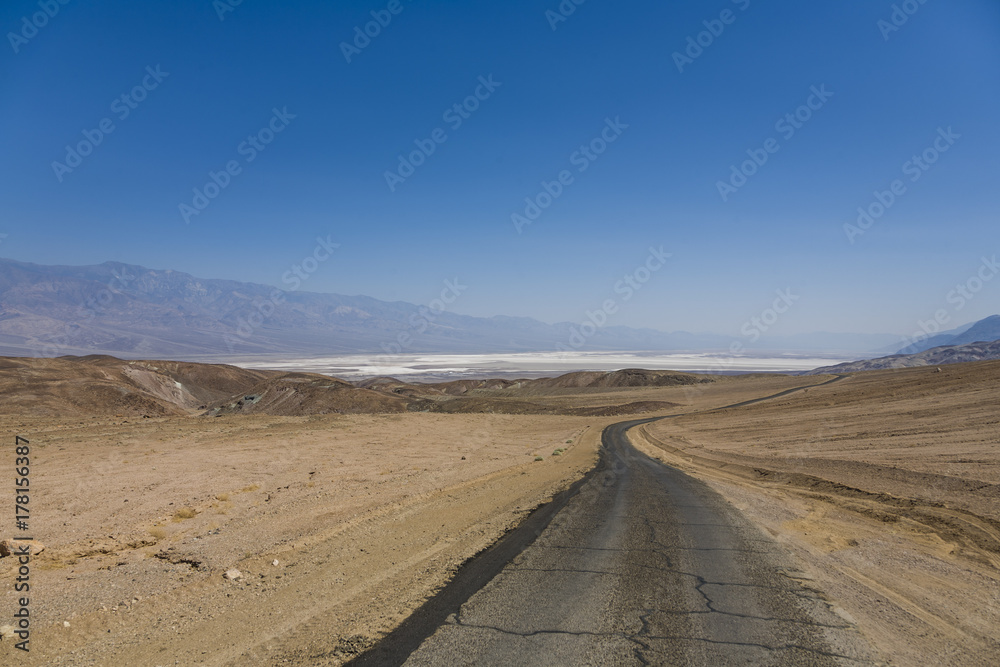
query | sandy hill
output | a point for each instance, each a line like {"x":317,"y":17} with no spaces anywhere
{"x":294,"y":394}
{"x":104,"y":385}
{"x":629,"y":377}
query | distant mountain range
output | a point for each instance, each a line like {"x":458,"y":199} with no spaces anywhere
{"x":135,"y":312}
{"x":938,"y":356}
{"x":982,"y":331}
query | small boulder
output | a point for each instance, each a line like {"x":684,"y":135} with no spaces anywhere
{"x":233,"y":575}
{"x":7,"y":631}
{"x":14,"y":547}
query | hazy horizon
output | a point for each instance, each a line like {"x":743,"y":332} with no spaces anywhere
{"x":708,"y":347}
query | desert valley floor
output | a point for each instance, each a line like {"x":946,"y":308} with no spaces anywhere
{"x":336,"y":510}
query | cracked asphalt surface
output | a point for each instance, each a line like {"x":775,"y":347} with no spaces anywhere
{"x":646,"y":566}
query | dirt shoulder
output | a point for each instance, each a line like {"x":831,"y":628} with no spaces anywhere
{"x":884,"y":485}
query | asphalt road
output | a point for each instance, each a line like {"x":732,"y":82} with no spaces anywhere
{"x":644,"y":566}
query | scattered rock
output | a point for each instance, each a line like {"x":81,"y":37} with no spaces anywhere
{"x":6,"y":631}
{"x":172,"y":556}
{"x":233,"y":575}
{"x":12,"y":547}
{"x":65,"y":624}
{"x":274,"y":562}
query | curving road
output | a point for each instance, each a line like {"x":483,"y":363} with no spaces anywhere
{"x":642,"y":566}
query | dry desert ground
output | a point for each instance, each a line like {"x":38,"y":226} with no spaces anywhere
{"x":884,"y":485}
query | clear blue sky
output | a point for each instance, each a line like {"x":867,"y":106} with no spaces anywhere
{"x":324,"y":174}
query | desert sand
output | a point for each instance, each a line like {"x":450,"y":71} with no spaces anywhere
{"x":364,"y":514}
{"x":884,"y":485}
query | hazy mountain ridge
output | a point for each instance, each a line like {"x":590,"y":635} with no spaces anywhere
{"x":938,"y":356}
{"x":985,"y":330}
{"x":132,"y":311}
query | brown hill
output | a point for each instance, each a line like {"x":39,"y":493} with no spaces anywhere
{"x":102,"y":385}
{"x":461,"y":387}
{"x":294,"y":394}
{"x":629,"y":377}
{"x":516,"y":407}
{"x":380,"y":382}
